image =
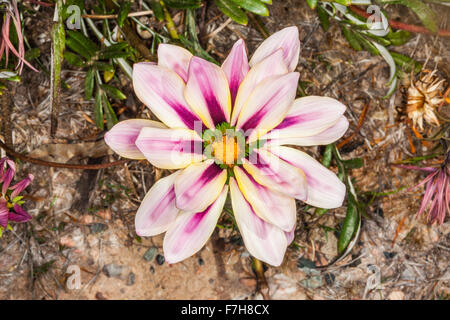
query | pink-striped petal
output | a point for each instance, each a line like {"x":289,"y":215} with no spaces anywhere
{"x":170,"y":148}
{"x":268,"y":105}
{"x":191,"y":230}
{"x":290,"y":236}
{"x":325,"y":137}
{"x":199,"y":185}
{"x":174,"y":58}
{"x":158,"y":210}
{"x":207,"y":92}
{"x":269,"y":205}
{"x":276,"y":174}
{"x":4,"y":213}
{"x":325,"y":190}
{"x":19,"y":214}
{"x":286,"y":39}
{"x":236,"y":67}
{"x":122,"y":137}
{"x":308,"y":116}
{"x":263,"y":240}
{"x":162,"y":90}
{"x":21,"y":185}
{"x":271,"y":66}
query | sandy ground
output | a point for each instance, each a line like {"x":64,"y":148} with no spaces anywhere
{"x":84,"y":221}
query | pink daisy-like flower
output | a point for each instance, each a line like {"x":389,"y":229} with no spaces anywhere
{"x":225,"y":129}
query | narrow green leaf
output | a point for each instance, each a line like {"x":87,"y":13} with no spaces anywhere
{"x":254,"y":6}
{"x":230,"y":9}
{"x":98,"y":109}
{"x":323,"y":18}
{"x":32,"y":54}
{"x":350,"y":225}
{"x":406,"y":63}
{"x":157,"y":10}
{"x":113,"y":92}
{"x":110,"y":115}
{"x":89,"y":83}
{"x":351,"y":38}
{"x":354,"y":163}
{"x":399,"y":37}
{"x":113,"y":54}
{"x":89,"y":45}
{"x":183,"y":4}
{"x":124,"y":10}
{"x":74,"y":59}
{"x":312,"y":3}
{"x":327,"y":155}
{"x":266,"y":1}
{"x":103,"y":66}
{"x":75,"y":46}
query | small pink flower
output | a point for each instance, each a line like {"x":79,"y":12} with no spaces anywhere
{"x":11,"y":14}
{"x":10,"y":209}
{"x":436,"y":199}
{"x":225,"y":129}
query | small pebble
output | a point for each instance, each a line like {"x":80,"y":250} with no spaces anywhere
{"x":201,"y":261}
{"x":305,"y":263}
{"x":97,"y":227}
{"x":152,"y":269}
{"x":160,"y":259}
{"x":389,"y":255}
{"x":329,"y":278}
{"x":379,"y":212}
{"x":112,"y":270}
{"x":150,"y":254}
{"x":131,"y":279}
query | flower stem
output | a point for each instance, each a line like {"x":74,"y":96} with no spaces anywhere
{"x":169,"y":22}
{"x":261,"y":282}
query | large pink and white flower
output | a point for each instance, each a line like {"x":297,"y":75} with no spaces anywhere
{"x":225,"y":129}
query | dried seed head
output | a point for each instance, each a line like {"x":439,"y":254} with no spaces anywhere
{"x":423,"y":97}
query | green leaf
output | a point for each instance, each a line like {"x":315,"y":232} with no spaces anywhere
{"x":89,"y":84}
{"x":32,"y":54}
{"x":105,"y":55}
{"x":266,"y":1}
{"x":103,"y":66}
{"x":98,"y":109}
{"x":113,"y":92}
{"x":230,"y":9}
{"x":367,"y":45}
{"x":354,"y":163}
{"x":78,"y":48}
{"x":425,"y":14}
{"x":399,"y":37}
{"x":351,"y":38}
{"x":324,"y":18}
{"x":254,"y":6}
{"x":124,"y":10}
{"x":350,"y":225}
{"x":157,"y":10}
{"x":406,"y":63}
{"x":312,"y":3}
{"x":74,"y":59}
{"x":327,"y":155}
{"x":183,"y":4}
{"x":89,"y":45}
{"x":110,"y":115}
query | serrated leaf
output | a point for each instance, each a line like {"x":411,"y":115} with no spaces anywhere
{"x":98,"y":110}
{"x":89,"y":84}
{"x":113,"y":92}
{"x":254,"y":6}
{"x":230,"y":9}
{"x":183,"y":4}
{"x":124,"y":10}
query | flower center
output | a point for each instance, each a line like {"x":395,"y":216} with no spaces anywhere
{"x":226,"y":150}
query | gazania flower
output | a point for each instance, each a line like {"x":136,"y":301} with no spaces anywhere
{"x":10,"y":199}
{"x":436,"y":200}
{"x":225,"y":128}
{"x":10,"y":13}
{"x":423,"y":97}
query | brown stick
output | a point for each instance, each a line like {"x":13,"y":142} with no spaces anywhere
{"x":400,"y":25}
{"x":39,"y":162}
{"x":358,"y":127}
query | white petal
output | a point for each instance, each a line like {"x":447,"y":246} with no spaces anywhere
{"x":325,"y":190}
{"x":190,"y":231}
{"x":263,"y":240}
{"x":199,"y":185}
{"x":174,"y":58}
{"x":170,"y":148}
{"x":269,"y":205}
{"x":236,"y":67}
{"x":157,"y":211}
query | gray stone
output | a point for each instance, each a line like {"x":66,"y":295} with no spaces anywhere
{"x":150,"y":254}
{"x":112,"y":270}
{"x":131,"y":279}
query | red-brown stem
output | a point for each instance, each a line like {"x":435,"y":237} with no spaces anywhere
{"x":400,"y":25}
{"x":39,"y":162}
